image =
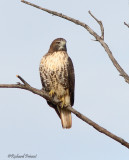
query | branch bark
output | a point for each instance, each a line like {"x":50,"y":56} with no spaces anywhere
{"x":26,"y":86}
{"x":100,"y":23}
{"x":45,"y":95}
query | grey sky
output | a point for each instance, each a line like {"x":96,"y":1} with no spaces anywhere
{"x":27,"y":124}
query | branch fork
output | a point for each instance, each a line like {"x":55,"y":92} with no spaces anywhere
{"x":101,"y":25}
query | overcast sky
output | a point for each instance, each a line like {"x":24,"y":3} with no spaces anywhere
{"x":27,"y":124}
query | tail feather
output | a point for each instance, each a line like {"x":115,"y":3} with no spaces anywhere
{"x":64,"y":115}
{"x":66,"y":118}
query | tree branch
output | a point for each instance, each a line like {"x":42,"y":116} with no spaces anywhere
{"x":45,"y":95}
{"x":126,"y":24}
{"x":100,"y":23}
{"x":98,"y":38}
{"x":25,"y":83}
{"x":26,"y":86}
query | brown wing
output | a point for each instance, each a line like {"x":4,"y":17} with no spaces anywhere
{"x":45,"y":88}
{"x":71,"y":80}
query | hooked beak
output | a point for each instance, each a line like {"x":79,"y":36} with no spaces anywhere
{"x":62,"y":45}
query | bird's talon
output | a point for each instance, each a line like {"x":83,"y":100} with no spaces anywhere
{"x":62,"y":102}
{"x":51,"y":93}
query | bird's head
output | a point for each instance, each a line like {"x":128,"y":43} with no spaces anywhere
{"x":58,"y":44}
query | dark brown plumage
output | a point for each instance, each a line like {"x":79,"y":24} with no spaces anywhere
{"x":57,"y":77}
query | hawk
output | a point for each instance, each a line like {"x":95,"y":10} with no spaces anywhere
{"x":58,"y":79}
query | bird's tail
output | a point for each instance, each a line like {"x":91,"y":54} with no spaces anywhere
{"x":66,"y":118}
{"x":64,"y":115}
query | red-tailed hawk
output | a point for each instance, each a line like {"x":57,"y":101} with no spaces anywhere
{"x":57,"y":77}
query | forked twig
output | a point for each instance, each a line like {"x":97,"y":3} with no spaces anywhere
{"x":100,"y":23}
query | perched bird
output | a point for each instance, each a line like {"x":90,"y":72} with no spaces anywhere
{"x":58,"y":79}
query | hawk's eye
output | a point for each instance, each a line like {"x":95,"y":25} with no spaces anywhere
{"x":58,"y":42}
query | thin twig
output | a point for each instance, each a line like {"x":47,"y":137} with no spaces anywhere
{"x":126,"y":24}
{"x":100,"y":23}
{"x":63,"y":16}
{"x":25,"y":83}
{"x":45,"y":95}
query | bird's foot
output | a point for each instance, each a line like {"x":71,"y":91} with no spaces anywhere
{"x":62,"y":102}
{"x":51,"y":93}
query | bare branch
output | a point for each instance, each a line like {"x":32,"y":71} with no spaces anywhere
{"x":25,"y":83}
{"x":98,"y":38}
{"x":45,"y":95}
{"x":41,"y":92}
{"x":98,"y":127}
{"x":65,"y":17}
{"x":126,"y":24}
{"x":100,"y":23}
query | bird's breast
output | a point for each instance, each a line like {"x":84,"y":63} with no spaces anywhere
{"x":55,"y":61}
{"x":53,"y":70}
